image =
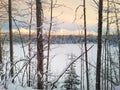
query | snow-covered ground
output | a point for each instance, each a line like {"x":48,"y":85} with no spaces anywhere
{"x":59,"y":59}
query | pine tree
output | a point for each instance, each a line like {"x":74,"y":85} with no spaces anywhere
{"x":71,"y":82}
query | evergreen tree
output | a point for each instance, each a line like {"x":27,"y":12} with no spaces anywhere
{"x":71,"y":82}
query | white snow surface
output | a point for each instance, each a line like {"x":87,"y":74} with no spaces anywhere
{"x":59,"y":59}
{"x":17,"y":87}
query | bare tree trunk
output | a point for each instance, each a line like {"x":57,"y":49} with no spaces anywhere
{"x":99,"y":47}
{"x":0,"y":47}
{"x":107,"y":36}
{"x":118,"y":32}
{"x":102,"y":78}
{"x":111,"y":71}
{"x":39,"y":18}
{"x":85,"y":33}
{"x":29,"y":47}
{"x":82,"y":68}
{"x":49,"y":41}
{"x":106,"y":49}
{"x":1,"y":68}
{"x":11,"y":39}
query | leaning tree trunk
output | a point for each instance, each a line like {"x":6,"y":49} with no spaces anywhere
{"x":99,"y":46}
{"x":39,"y":18}
{"x":11,"y":39}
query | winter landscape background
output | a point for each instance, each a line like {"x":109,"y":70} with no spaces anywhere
{"x":59,"y":45}
{"x":59,"y":59}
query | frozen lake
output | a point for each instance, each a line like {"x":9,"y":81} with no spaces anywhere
{"x":59,"y":58}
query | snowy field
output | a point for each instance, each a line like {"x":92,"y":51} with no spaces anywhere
{"x":59,"y":59}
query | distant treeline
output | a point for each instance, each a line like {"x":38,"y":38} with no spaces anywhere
{"x":61,"y":39}
{"x":58,"y":39}
{"x":71,"y":39}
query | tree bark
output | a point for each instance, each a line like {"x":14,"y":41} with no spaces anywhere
{"x":11,"y":39}
{"x":99,"y":46}
{"x":49,"y":42}
{"x":118,"y":33}
{"x":85,"y":44}
{"x":39,"y":18}
{"x":0,"y":47}
{"x":29,"y":46}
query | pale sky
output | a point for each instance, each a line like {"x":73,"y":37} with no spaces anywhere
{"x":66,"y":14}
{"x":69,"y":13}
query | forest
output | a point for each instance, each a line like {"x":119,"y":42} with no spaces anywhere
{"x":59,"y":45}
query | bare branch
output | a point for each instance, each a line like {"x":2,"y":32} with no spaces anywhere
{"x":96,"y":2}
{"x":76,"y":12}
{"x":53,"y":84}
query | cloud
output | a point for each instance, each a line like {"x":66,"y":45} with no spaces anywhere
{"x":24,"y":31}
{"x":68,"y":32}
{"x":53,"y":32}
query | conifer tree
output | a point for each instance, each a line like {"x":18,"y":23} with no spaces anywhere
{"x":71,"y":82}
